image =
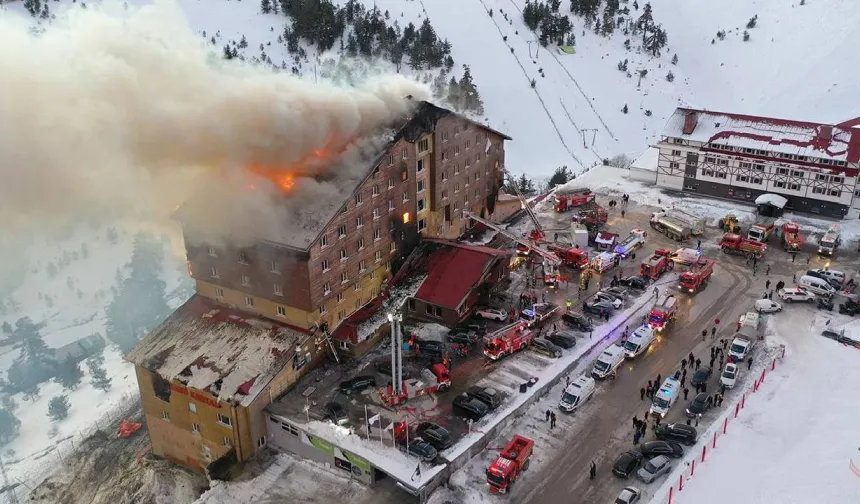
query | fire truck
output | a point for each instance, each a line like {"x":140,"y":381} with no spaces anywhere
{"x":570,"y":199}
{"x":792,"y":239}
{"x":659,"y":263}
{"x":512,"y":462}
{"x":631,"y":243}
{"x":663,"y":312}
{"x":572,"y":257}
{"x":828,"y":243}
{"x":539,"y":314}
{"x":762,"y":229}
{"x":551,"y":262}
{"x":697,"y":277}
{"x":507,"y":340}
{"x":591,"y":214}
{"x":435,"y":379}
{"x":731,"y":243}
{"x":671,"y":227}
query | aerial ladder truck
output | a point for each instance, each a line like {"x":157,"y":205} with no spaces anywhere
{"x":551,"y":262}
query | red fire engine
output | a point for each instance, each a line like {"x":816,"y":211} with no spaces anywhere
{"x":731,"y":243}
{"x":792,"y":239}
{"x":507,"y":340}
{"x":573,"y":257}
{"x":659,"y":263}
{"x":697,"y":277}
{"x":435,"y":379}
{"x":512,"y":462}
{"x":663,"y":313}
{"x":568,"y":200}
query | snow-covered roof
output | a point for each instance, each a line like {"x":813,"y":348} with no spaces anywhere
{"x":606,"y":238}
{"x":771,"y":199}
{"x":647,"y":160}
{"x":800,"y":138}
{"x":203,"y":343}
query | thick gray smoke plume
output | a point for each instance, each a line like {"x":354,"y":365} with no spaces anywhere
{"x":109,"y":111}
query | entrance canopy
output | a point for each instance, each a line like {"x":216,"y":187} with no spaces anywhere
{"x":771,"y":199}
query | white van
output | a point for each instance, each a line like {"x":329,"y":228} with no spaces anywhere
{"x":666,"y":396}
{"x":816,"y":285}
{"x":575,"y":394}
{"x":749,"y":319}
{"x":639,"y":341}
{"x":608,"y":362}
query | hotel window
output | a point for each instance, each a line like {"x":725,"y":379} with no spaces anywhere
{"x":708,"y":173}
{"x":676,"y":153}
{"x":249,"y":301}
{"x":326,"y":289}
{"x":357,"y":303}
{"x":359,"y":221}
{"x":444,"y":136}
{"x":456,"y":168}
{"x":261,"y":442}
{"x":758,"y":167}
{"x":344,"y":255}
{"x":836,"y":180}
{"x":420,"y":185}
{"x":798,"y":174}
{"x":419,"y":167}
{"x":834,"y":192}
{"x":444,"y":155}
{"x":223,"y":420}
{"x":468,"y":144}
{"x":322,"y":309}
{"x":192,"y":407}
{"x":341,"y":231}
{"x":444,"y":175}
{"x":211,"y":251}
{"x":710,"y":159}
{"x":324,"y":241}
{"x":422,"y":225}
{"x":673,"y":165}
{"x":779,"y":184}
{"x":282,"y":311}
{"x":723,"y":162}
{"x":372,"y":275}
{"x":344,"y":277}
{"x":794,"y":187}
{"x":456,"y":188}
{"x":375,"y":191}
{"x":243,"y":258}
{"x":362,"y":266}
{"x":214,"y":271}
{"x":278,"y":289}
{"x":377,"y":256}
{"x":358,"y":199}
{"x":456,"y":150}
{"x":820,"y":177}
{"x":782,"y":171}
{"x":677,"y":141}
{"x":195,"y":427}
{"x":818,"y":190}
{"x":468,"y":162}
{"x":341,"y":315}
{"x":375,"y":213}
{"x":165,"y":415}
{"x":421,"y":205}
{"x":324,"y":265}
{"x":392,"y":247}
{"x":404,"y":154}
{"x":423,"y":145}
{"x":721,"y":175}
{"x":405,"y":196}
{"x":377,"y":235}
{"x":246,"y":280}
{"x":356,"y":287}
{"x":390,"y":183}
{"x":390,"y":205}
{"x":756,"y":180}
{"x":227,"y":442}
{"x":742,"y":178}
{"x":340,"y":297}
{"x":360,"y":244}
{"x":444,"y":194}
{"x":219,"y":292}
{"x":273,"y":267}
{"x":745,"y":165}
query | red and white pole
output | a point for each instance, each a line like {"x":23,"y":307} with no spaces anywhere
{"x":715,"y":439}
{"x":681,"y":482}
{"x":773,"y":366}
{"x":693,"y":468}
{"x":744,"y":400}
{"x":737,"y":409}
{"x":671,"y":493}
{"x":725,"y":424}
{"x":704,"y":452}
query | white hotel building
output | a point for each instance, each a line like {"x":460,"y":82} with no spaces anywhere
{"x":814,"y":166}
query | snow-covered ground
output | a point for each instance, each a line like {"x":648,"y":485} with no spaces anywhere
{"x":797,"y":440}
{"x":75,"y":312}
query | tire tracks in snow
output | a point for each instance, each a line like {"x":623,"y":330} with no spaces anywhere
{"x":575,"y":83}
{"x":537,"y":93}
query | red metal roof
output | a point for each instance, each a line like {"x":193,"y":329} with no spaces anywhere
{"x":452,"y":272}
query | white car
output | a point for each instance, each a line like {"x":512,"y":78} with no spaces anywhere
{"x":609,"y":298}
{"x":654,"y":468}
{"x":686,"y":255}
{"x":796,"y":294}
{"x":730,"y":375}
{"x":767,"y":306}
{"x":630,"y":495}
{"x":492,"y":314}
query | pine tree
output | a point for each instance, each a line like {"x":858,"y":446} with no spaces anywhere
{"x":9,"y":425}
{"x":670,"y":77}
{"x":674,"y":59}
{"x":608,"y":23}
{"x":99,"y":378}
{"x":58,"y":408}
{"x":746,"y":36}
{"x":266,"y":6}
{"x":625,"y":109}
{"x":645,"y":23}
{"x":69,"y":374}
{"x":561,"y":175}
{"x":471,"y":98}
{"x":752,"y":22}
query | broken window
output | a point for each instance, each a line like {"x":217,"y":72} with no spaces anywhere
{"x":160,"y":387}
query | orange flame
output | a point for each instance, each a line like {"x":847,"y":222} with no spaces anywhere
{"x":285,"y":176}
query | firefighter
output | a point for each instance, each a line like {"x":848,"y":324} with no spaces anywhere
{"x":568,"y":303}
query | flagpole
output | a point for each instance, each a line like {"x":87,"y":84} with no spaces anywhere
{"x":406,"y":426}
{"x":366,"y":423}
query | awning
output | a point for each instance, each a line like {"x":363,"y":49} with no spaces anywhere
{"x":771,"y":199}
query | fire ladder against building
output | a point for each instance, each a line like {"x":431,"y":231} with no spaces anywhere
{"x":551,"y":261}
{"x":538,"y":234}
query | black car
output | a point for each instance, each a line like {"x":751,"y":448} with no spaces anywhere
{"x":578,"y":321}
{"x":634,"y":282}
{"x":825,"y":304}
{"x":701,"y":376}
{"x":670,"y":449}
{"x":463,"y":337}
{"x":431,"y":347}
{"x":434,"y":434}
{"x":469,"y":408}
{"x":701,"y":403}
{"x":335,"y":412}
{"x":563,"y":339}
{"x":357,"y":384}
{"x":627,"y":463}
{"x":476,"y":326}
{"x":682,"y":433}
{"x":849,"y":307}
{"x":421,"y":449}
{"x":544,"y":346}
{"x":487,"y":395}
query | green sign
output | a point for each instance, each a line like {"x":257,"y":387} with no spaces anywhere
{"x":321,"y":444}
{"x":357,"y":461}
{"x":566,"y":49}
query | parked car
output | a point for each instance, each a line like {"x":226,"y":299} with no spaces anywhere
{"x":654,"y":468}
{"x":420,"y":449}
{"x":599,"y":308}
{"x":487,"y":395}
{"x":477,"y":326}
{"x":435,"y":434}
{"x":335,"y":412}
{"x":833,"y":277}
{"x":701,"y":376}
{"x":767,"y":306}
{"x":671,"y":449}
{"x":578,"y":321}
{"x":627,"y":463}
{"x":463,"y":337}
{"x":609,"y":298}
{"x":492,"y":314}
{"x":730,"y":375}
{"x":825,"y":304}
{"x":619,"y":292}
{"x":383,"y":367}
{"x":796,"y":294}
{"x":546,"y":347}
{"x":634,"y":282}
{"x":431,"y":347}
{"x":682,"y":433}
{"x":630,"y":495}
{"x":357,"y":384}
{"x":563,"y":339}
{"x":469,"y":408}
{"x":701,"y":403}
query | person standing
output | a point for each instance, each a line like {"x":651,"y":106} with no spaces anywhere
{"x":642,"y":394}
{"x":592,"y":472}
{"x":686,"y":391}
{"x":552,"y":420}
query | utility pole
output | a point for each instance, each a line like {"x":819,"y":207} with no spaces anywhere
{"x":593,"y":136}
{"x":12,"y":496}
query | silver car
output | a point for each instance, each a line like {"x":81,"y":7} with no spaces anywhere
{"x":630,"y":495}
{"x":654,"y":468}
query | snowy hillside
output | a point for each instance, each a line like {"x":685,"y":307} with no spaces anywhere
{"x":573,"y":116}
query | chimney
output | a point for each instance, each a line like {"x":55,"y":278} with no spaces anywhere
{"x":690,"y":120}
{"x":825,"y":133}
